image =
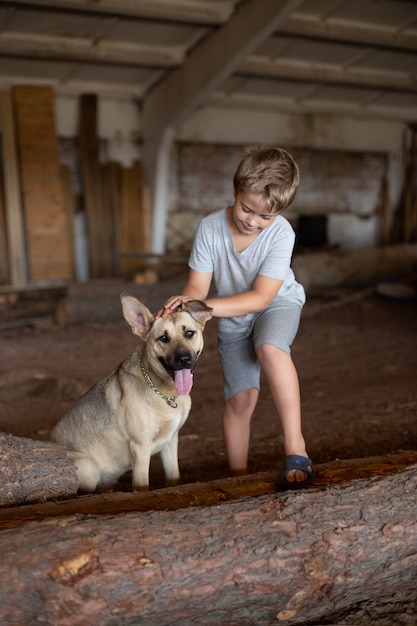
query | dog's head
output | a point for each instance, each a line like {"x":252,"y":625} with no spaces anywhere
{"x":172,"y":344}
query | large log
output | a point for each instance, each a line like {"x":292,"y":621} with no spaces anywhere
{"x":34,"y":471}
{"x":284,"y":558}
{"x":43,"y":475}
{"x":354,"y":268}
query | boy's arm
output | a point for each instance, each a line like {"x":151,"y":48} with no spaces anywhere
{"x":198,"y":284}
{"x":258,"y":298}
{"x":197,"y":288}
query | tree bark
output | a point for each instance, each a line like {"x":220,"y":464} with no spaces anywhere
{"x":34,"y":471}
{"x":284,"y":558}
{"x":28,"y":462}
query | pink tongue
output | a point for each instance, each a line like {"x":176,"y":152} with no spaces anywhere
{"x":183,"y":381}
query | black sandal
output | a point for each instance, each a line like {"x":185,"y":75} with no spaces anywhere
{"x":301,"y":463}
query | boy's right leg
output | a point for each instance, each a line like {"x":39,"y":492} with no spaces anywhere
{"x":238,"y":411}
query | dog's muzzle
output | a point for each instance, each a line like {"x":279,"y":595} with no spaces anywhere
{"x":181,"y":369}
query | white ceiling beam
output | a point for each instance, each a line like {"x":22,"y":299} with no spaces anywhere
{"x":203,"y":12}
{"x":307,"y":106}
{"x":330,"y":29}
{"x":284,"y":69}
{"x":86,"y":50}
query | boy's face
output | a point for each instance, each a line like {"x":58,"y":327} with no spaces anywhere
{"x":250,"y":213}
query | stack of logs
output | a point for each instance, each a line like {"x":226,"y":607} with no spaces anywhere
{"x":231,"y":551}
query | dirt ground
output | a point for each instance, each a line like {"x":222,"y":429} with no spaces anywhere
{"x":356,"y":355}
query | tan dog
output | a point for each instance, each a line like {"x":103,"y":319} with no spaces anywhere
{"x":138,"y":410}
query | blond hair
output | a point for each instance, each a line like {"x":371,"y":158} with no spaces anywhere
{"x":270,"y":172}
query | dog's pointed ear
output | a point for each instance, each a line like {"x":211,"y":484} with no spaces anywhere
{"x":199,"y":311}
{"x":136,"y":314}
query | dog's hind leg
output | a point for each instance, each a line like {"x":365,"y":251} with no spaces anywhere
{"x":88,"y":472}
{"x":169,"y":458}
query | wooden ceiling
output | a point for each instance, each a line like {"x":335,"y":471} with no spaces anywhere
{"x":355,"y":57}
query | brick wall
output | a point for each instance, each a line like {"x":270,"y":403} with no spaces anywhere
{"x":331,"y":182}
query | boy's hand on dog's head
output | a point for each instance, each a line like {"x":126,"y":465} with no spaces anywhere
{"x":163,"y":312}
{"x":174,"y":303}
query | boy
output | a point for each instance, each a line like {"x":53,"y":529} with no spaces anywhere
{"x":246,"y":249}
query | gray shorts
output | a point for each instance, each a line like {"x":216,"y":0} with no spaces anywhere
{"x":277,"y":325}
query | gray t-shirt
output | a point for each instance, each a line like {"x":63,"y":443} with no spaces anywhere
{"x":269,"y":254}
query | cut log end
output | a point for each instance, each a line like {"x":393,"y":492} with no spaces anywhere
{"x":34,"y":471}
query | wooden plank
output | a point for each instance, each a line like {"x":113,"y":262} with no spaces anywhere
{"x":44,"y":207}
{"x":99,"y":219}
{"x":385,"y":214}
{"x":12,"y":195}
{"x":410,"y":195}
{"x":111,"y":200}
{"x":129,"y":222}
{"x":55,"y":288}
{"x":112,"y":175}
{"x":146,"y":219}
{"x":4,"y":261}
{"x":70,"y":210}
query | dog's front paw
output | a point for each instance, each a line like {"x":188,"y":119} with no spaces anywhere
{"x":140,"y":487}
{"x":173,"y":483}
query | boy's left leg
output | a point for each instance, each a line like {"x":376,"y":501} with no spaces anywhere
{"x":238,"y":411}
{"x":241,"y":372}
{"x":281,"y":374}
